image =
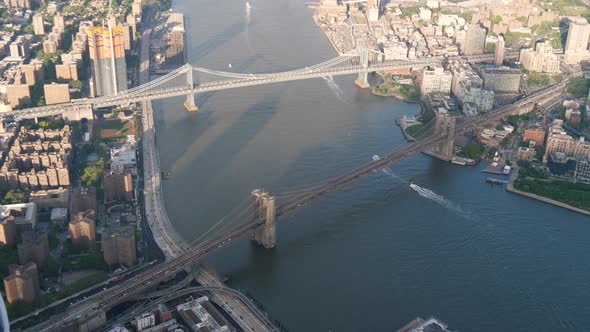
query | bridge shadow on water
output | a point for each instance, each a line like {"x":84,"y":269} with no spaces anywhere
{"x":214,"y":42}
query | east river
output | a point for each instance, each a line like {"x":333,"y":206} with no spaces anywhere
{"x":378,"y":254}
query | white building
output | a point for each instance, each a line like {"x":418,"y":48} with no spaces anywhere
{"x":436,"y":80}
{"x":124,"y":158}
{"x":582,"y":173}
{"x":144,"y":321}
{"x":541,"y":59}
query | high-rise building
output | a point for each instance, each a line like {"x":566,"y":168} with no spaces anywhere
{"x":22,"y":285}
{"x":38,"y":24}
{"x":66,"y":71}
{"x":118,"y":246}
{"x":35,"y":248}
{"x":373,"y":10}
{"x":541,"y":59}
{"x":499,"y":52}
{"x":56,"y":93}
{"x":83,"y":229}
{"x":58,"y":22}
{"x":576,"y":45}
{"x":118,"y":186}
{"x":559,"y":141}
{"x":436,"y":80}
{"x":503,"y":79}
{"x":475,"y":40}
{"x":7,"y":227}
{"x":175,"y":40}
{"x":107,"y":57}
{"x":33,"y":72}
{"x":464,"y":77}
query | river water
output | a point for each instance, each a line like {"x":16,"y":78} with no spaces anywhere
{"x":379,"y":253}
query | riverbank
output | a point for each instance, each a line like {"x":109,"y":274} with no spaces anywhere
{"x":510,"y":188}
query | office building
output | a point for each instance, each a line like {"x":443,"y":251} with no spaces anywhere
{"x":499,"y":52}
{"x":7,"y":227}
{"x":541,"y":59}
{"x":56,"y":93}
{"x":38,"y":24}
{"x":503,"y":79}
{"x":107,"y":58}
{"x":22,"y":285}
{"x":118,"y":187}
{"x":436,"y":80}
{"x":83,"y":229}
{"x":576,"y":45}
{"x":118,"y":246}
{"x":475,"y":40}
{"x":34,"y":248}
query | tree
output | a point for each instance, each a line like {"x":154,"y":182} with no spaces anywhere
{"x":75,"y":84}
{"x":578,"y":87}
{"x":15,"y":196}
{"x":92,"y":175}
{"x":29,"y":30}
{"x":496,"y":19}
{"x":7,"y":257}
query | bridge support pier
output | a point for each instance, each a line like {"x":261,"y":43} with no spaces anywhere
{"x":362,"y":81}
{"x":444,"y":125}
{"x":189,"y":104}
{"x":265,"y":208}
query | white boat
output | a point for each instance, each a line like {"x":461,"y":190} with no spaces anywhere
{"x":229,"y":65}
{"x":376,"y":157}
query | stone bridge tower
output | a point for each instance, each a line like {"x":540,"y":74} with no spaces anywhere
{"x":445,"y":126}
{"x":265,"y":208}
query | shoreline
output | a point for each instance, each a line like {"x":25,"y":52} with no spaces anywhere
{"x":510,"y":188}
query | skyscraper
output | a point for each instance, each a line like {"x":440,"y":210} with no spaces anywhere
{"x":475,"y":40}
{"x":107,"y":58}
{"x":499,"y":53}
{"x":38,"y":25}
{"x":576,"y":45}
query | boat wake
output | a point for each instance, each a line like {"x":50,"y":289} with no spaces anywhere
{"x":336,"y":89}
{"x":427,"y":193}
{"x":438,"y":199}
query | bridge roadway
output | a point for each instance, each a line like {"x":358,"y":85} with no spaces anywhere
{"x":141,"y":95}
{"x":298,"y":202}
{"x":196,"y":252}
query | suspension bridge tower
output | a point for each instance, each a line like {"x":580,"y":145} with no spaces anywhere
{"x":362,"y":81}
{"x":265,"y":210}
{"x":189,"y":104}
{"x":444,"y":126}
